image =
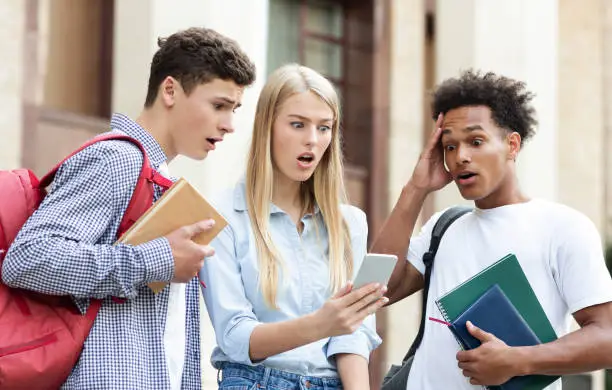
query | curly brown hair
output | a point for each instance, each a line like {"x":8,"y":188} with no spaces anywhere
{"x":508,"y":99}
{"x":196,"y":56}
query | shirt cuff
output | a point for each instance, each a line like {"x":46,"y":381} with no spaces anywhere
{"x":157,"y":259}
{"x":361,"y":343}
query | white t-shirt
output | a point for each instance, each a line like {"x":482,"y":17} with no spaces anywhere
{"x":558,"y":248}
{"x":174,"y":334}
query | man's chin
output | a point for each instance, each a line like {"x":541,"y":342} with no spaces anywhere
{"x":198,"y":156}
{"x":470,"y":194}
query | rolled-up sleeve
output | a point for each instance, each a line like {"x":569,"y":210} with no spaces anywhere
{"x":230,"y":312}
{"x":365,"y":339}
{"x":362,"y":342}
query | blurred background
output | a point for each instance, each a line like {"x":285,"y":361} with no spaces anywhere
{"x":68,"y":64}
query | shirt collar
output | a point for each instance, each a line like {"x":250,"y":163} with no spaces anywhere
{"x":126,"y":125}
{"x":240,"y":203}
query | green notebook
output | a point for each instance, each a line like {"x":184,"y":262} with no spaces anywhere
{"x":509,"y":275}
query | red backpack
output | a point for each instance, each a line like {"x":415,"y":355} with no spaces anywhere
{"x":41,"y":336}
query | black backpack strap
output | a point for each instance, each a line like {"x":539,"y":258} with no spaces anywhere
{"x":445,"y":220}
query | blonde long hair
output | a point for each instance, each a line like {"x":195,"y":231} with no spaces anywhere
{"x":325,"y":188}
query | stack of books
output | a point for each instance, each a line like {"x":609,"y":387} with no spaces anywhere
{"x":500,"y":300}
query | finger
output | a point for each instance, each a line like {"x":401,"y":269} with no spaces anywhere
{"x":465,"y":356}
{"x":372,"y":307}
{"x":468,"y":373}
{"x":475,"y":381}
{"x":347,"y":288}
{"x":358,"y":294}
{"x":434,"y":140}
{"x":370,"y":300}
{"x":207,"y":250}
{"x":198,"y":227}
{"x":439,"y":121}
{"x":199,"y":252}
{"x":479,"y":333}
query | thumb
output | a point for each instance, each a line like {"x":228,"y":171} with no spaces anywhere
{"x":479,"y":333}
{"x":199,"y":227}
{"x":347,"y":288}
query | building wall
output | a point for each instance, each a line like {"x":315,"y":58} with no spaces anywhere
{"x":12,"y":14}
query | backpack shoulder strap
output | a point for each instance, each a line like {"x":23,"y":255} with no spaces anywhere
{"x":142,"y":197}
{"x":48,"y":178}
{"x":446,"y":219}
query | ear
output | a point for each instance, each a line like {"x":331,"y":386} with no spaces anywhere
{"x":514,"y":145}
{"x":168,"y":90}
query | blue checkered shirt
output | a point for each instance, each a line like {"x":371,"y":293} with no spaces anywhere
{"x":66,"y":247}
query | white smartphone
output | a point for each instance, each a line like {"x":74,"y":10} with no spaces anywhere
{"x":376,"y":268}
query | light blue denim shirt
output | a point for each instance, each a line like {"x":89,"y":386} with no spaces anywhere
{"x":234,"y":300}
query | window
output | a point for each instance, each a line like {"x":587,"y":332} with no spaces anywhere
{"x":328,"y":36}
{"x":309,"y":32}
{"x":79,"y":57}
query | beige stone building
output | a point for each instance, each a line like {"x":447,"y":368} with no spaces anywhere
{"x":69,"y":63}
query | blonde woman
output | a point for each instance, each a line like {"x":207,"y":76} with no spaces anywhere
{"x":278,"y":290}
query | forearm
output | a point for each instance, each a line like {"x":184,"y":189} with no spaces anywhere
{"x":58,"y":266}
{"x":587,"y":349}
{"x":394,"y":237}
{"x":274,"y":338}
{"x":353,"y":371}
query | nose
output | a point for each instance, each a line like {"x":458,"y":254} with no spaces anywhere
{"x":463,"y":155}
{"x":311,"y":135}
{"x":226,"y":125}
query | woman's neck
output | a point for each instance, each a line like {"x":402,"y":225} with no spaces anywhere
{"x":286,"y":194}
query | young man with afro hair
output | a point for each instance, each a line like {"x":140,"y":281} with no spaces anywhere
{"x":482,"y":122}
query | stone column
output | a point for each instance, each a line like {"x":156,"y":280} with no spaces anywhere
{"x":581,"y":150}
{"x":12,"y":36}
{"x":405,"y":140}
{"x":607,"y":109}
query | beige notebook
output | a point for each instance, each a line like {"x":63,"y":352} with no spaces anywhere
{"x":179,"y":206}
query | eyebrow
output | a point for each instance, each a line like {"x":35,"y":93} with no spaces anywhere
{"x":308,"y":119}
{"x":466,"y":129}
{"x":230,"y":101}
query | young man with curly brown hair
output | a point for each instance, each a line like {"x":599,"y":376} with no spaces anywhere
{"x":146,"y":340}
{"x":483,"y":121}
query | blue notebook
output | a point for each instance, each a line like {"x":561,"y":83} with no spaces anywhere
{"x":493,"y":312}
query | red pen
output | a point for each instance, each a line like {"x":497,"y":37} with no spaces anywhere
{"x":439,"y":321}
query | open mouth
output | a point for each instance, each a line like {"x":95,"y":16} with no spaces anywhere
{"x":465,"y":176}
{"x":306,"y":158}
{"x":212,"y":141}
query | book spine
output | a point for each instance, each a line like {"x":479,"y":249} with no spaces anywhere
{"x":442,"y":311}
{"x":450,"y":327}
